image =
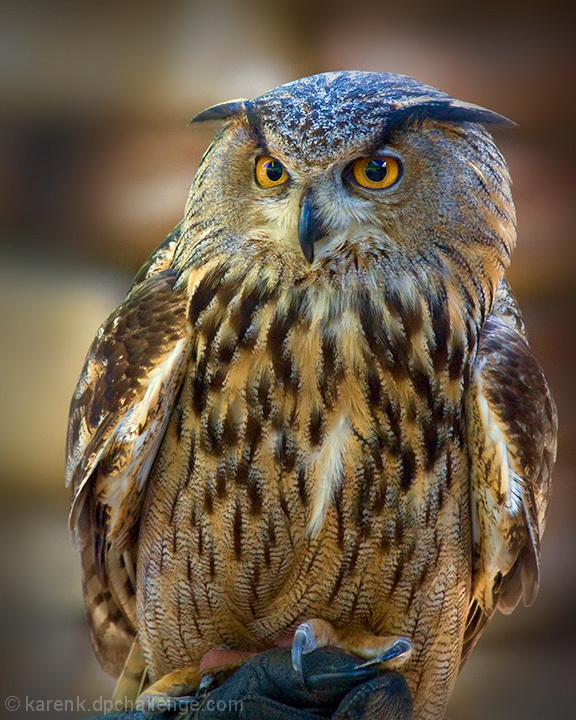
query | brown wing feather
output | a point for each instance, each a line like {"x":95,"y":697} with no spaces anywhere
{"x":118,"y":416}
{"x":513,"y":447}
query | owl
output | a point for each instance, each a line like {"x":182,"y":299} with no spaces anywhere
{"x":316,"y":419}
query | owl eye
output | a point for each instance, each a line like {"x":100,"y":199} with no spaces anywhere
{"x":270,"y":172}
{"x":376,"y":172}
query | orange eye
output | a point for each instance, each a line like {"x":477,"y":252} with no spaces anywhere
{"x":376,"y":172}
{"x":270,"y":172}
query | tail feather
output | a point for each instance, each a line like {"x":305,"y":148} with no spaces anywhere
{"x":110,"y":605}
{"x":133,"y":678}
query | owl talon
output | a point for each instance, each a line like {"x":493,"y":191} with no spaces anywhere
{"x":304,"y":642}
{"x":206,"y":683}
{"x":394,"y":655}
{"x":397,"y":652}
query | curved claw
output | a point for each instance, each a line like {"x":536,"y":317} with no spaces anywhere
{"x":399,"y":650}
{"x":343,"y":679}
{"x":304,"y":642}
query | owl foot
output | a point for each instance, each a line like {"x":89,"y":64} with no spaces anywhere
{"x":390,"y":649}
{"x":172,"y":692}
{"x":181,"y":688}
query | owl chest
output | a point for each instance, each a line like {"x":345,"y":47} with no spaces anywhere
{"x":303,"y":469}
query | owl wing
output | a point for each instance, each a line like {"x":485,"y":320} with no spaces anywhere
{"x":513,"y":428}
{"x":118,"y":416}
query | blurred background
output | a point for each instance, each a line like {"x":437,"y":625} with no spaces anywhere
{"x":95,"y":164}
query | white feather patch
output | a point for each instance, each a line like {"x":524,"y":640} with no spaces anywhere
{"x":142,"y":428}
{"x":510,"y":482}
{"x":327,"y":471}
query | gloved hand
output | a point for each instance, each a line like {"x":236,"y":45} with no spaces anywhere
{"x":266,"y":687}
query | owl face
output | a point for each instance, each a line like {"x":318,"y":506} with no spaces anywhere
{"x":359,"y":162}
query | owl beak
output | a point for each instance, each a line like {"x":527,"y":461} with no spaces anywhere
{"x":310,"y":227}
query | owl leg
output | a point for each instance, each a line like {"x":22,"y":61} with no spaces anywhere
{"x":375,"y":649}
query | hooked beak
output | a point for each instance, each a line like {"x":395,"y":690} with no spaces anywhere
{"x":310,"y":227}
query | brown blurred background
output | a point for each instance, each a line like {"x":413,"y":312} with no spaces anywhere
{"x":95,"y":164}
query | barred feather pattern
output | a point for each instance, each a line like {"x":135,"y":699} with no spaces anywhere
{"x":315,"y":454}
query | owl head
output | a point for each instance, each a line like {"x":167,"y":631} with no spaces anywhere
{"x":349,"y":166}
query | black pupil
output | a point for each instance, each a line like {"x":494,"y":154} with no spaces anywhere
{"x":274,"y":170}
{"x":376,"y":170}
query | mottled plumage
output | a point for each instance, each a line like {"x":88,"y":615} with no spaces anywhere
{"x":365,"y":438}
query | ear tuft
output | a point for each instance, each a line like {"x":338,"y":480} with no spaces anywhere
{"x":222,"y":111}
{"x":463,"y":111}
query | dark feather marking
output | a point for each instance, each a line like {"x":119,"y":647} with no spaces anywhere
{"x":280,"y":327}
{"x":209,"y":329}
{"x":423,"y":386}
{"x":208,"y":500}
{"x":266,"y":555}
{"x":355,"y":600}
{"x":385,"y":542}
{"x":456,"y":362}
{"x":226,"y":351}
{"x":284,"y":371}
{"x":252,"y":437}
{"x":199,"y":386}
{"x":438,"y":306}
{"x":253,"y":433}
{"x":432,"y":444}
{"x":193,"y":516}
{"x":211,"y":436}
{"x":205,"y":292}
{"x":280,"y":446}
{"x":284,"y":505}
{"x":263,"y":394}
{"x":377,"y":445}
{"x":178,"y":417}
{"x":218,"y":379}
{"x":194,"y":604}
{"x":200,"y":540}
{"x":290,"y":452}
{"x":237,"y":532}
{"x":228,"y":289}
{"x":301,"y":483}
{"x":392,"y":352}
{"x":449,"y":477}
{"x":221,"y":481}
{"x":410,"y":315}
{"x":379,"y":501}
{"x":372,"y":323}
{"x":459,"y":431}
{"x":316,"y":426}
{"x":362,"y":500}
{"x":397,"y":576}
{"x":255,"y":497}
{"x":271,"y":529}
{"x":337,"y":585}
{"x":242,"y":316}
{"x":392,"y":410}
{"x":374,"y":386}
{"x":439,"y":411}
{"x":230,"y":431}
{"x":353,"y":558}
{"x":173,"y":509}
{"x":471,"y":337}
{"x":212,"y":564}
{"x":339,"y":517}
{"x":326,"y":378}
